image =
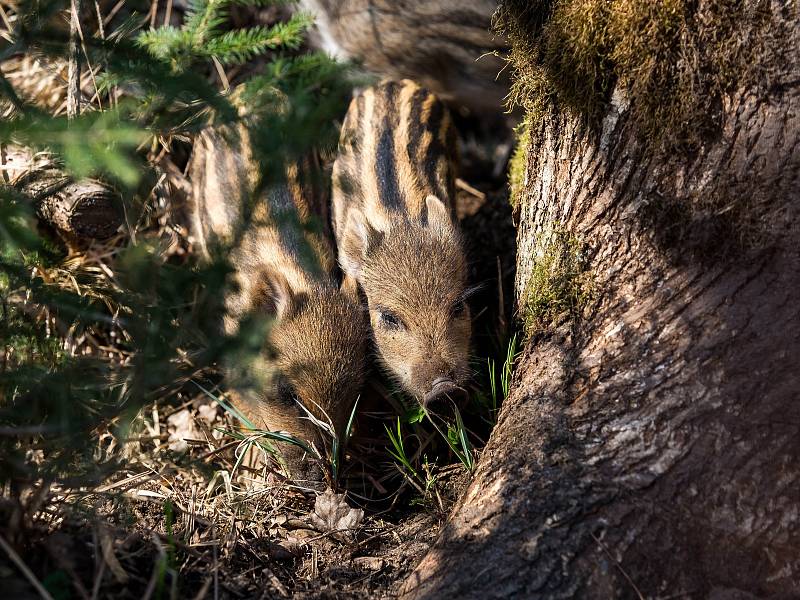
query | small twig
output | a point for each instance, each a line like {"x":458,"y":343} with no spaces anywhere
{"x":284,"y":593}
{"x":501,"y":317}
{"x":168,"y":13}
{"x":3,"y":170}
{"x":153,"y":13}
{"x":409,"y":479}
{"x":15,"y":558}
{"x":74,"y":70}
{"x":463,"y":185}
{"x":365,"y":541}
{"x":222,"y":448}
{"x":6,"y":22}
{"x":100,"y":27}
{"x":134,"y":479}
{"x":109,"y":557}
{"x":226,"y":86}
{"x":98,"y":580}
{"x":113,"y":12}
{"x":215,"y":555}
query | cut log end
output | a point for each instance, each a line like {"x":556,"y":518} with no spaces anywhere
{"x":78,"y":210}
{"x":95,"y":217}
{"x":85,"y":209}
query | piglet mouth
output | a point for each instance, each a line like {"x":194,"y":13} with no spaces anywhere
{"x":442,"y":389}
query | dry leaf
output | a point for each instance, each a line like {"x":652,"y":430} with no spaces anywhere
{"x":331,"y":513}
{"x":369,"y":563}
{"x":182,"y":427}
{"x":207,"y":412}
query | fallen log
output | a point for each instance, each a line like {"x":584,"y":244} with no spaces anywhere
{"x":81,"y":210}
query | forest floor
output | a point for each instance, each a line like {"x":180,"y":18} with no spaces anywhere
{"x":191,"y":525}
{"x":182,"y":516}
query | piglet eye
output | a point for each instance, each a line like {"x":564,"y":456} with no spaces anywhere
{"x":286,"y":393}
{"x":390,"y":320}
{"x":458,"y":308}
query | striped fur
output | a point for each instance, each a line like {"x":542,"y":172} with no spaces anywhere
{"x":397,"y":146}
{"x":393,"y":188}
{"x":282,"y":267}
{"x":446,"y":45}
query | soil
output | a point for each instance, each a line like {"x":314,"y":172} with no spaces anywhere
{"x":125,"y":551}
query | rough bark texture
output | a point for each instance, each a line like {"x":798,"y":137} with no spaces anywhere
{"x":78,"y":210}
{"x":650,"y":447}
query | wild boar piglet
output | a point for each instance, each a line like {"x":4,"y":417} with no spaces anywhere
{"x":445,"y":45}
{"x":393,"y":188}
{"x":313,"y":351}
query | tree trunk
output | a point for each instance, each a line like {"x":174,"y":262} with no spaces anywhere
{"x":651,"y":445}
{"x":78,"y":210}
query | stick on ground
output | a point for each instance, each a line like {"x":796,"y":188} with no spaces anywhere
{"x":15,"y":558}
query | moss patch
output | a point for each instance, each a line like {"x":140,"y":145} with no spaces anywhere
{"x":675,"y":57}
{"x":516,"y":167}
{"x":559,"y":284}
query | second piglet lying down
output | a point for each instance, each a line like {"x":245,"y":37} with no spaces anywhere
{"x":313,"y":351}
{"x":393,"y":186}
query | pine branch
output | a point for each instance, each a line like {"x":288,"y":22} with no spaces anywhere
{"x":199,"y":37}
{"x":235,"y":47}
{"x":165,"y":43}
{"x":90,"y":144}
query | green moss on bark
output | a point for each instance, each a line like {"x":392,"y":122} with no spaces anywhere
{"x":676,"y":58}
{"x":516,"y":167}
{"x":559,"y":284}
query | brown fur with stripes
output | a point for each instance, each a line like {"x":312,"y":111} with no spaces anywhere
{"x":446,"y":45}
{"x":393,"y":187}
{"x":282,"y":267}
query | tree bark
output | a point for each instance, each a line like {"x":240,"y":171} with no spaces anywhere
{"x":78,"y":210}
{"x":650,"y":446}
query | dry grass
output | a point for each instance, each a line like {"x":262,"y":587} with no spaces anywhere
{"x":38,"y":81}
{"x":182,"y":517}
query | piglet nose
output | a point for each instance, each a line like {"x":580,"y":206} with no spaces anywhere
{"x":442,"y":380}
{"x":444,"y":388}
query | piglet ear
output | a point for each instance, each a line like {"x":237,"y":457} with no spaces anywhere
{"x":349,"y":288}
{"x":283,"y":297}
{"x":437,"y":216}
{"x":358,"y":241}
